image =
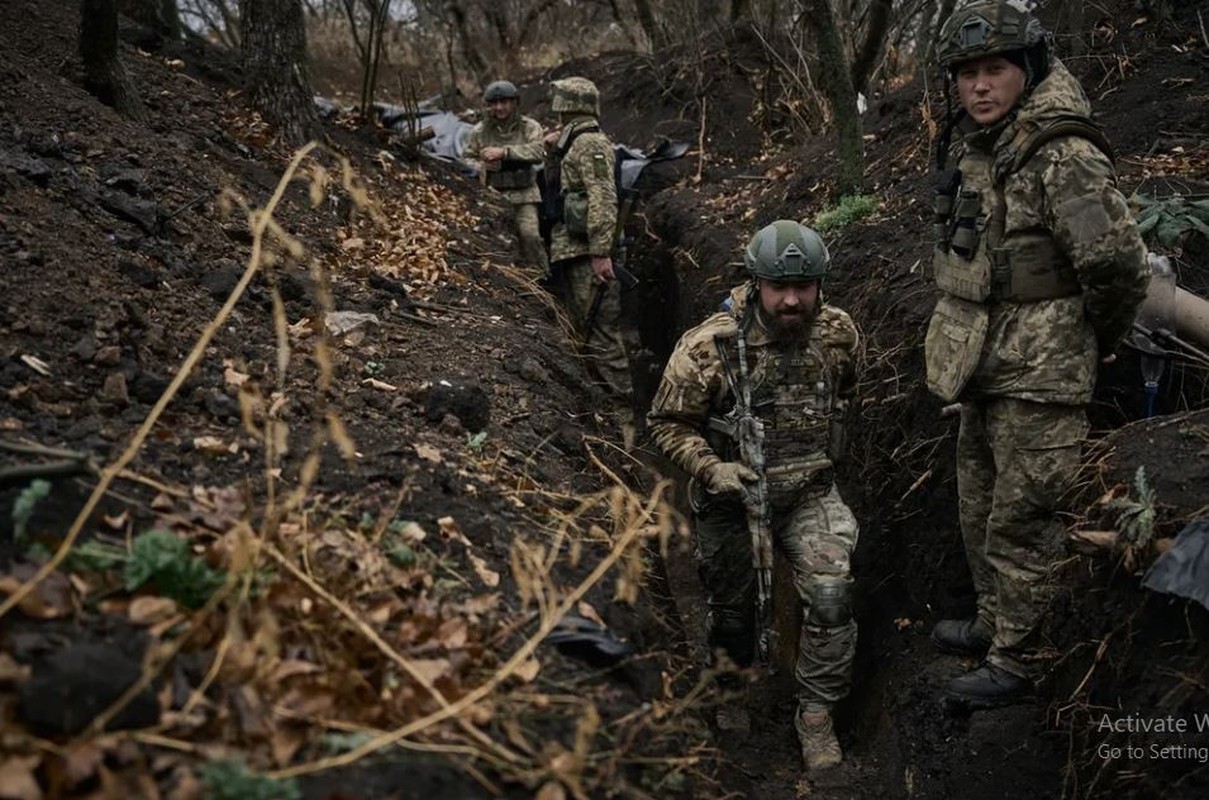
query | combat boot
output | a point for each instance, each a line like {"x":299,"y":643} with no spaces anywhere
{"x":988,"y":686}
{"x":962,"y":637}
{"x":816,"y":734}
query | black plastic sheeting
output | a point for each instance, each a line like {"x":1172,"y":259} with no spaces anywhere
{"x":1184,"y":569}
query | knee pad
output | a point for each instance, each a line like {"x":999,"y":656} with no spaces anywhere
{"x":830,"y":602}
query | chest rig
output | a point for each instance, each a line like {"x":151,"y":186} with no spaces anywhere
{"x":793,"y":394}
{"x":974,"y":258}
{"x":511,"y":174}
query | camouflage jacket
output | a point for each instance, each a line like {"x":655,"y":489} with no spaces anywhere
{"x":694,"y":387}
{"x":521,"y":138}
{"x":1047,"y":350}
{"x":587,"y":168}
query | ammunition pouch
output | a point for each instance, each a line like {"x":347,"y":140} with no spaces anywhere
{"x":575,"y":213}
{"x":1031,"y":269}
{"x":511,"y":175}
{"x":953,"y":344}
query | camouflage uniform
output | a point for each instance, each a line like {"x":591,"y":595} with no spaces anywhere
{"x":798,"y":391}
{"x":588,"y":186}
{"x":1047,"y":283}
{"x":521,"y":138}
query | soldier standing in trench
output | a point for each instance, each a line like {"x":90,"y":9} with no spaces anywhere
{"x":1041,"y":270}
{"x":509,"y":146}
{"x":791,"y":361}
{"x":581,"y":163}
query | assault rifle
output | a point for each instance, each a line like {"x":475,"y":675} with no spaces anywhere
{"x":747,"y":430}
{"x":628,"y":281}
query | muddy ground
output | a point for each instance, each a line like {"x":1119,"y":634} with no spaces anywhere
{"x":118,"y":252}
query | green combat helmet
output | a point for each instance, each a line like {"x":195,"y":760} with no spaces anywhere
{"x":787,"y":252}
{"x":995,"y":27}
{"x":501,"y":90}
{"x":575,"y":96}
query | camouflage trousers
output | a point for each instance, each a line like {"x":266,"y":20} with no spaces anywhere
{"x":529,"y":238}
{"x":604,"y":351}
{"x":1015,"y":462}
{"x":816,"y":536}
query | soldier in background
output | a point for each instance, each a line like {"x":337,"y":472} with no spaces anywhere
{"x":584,"y":206}
{"x":509,"y":146}
{"x":802,"y":356}
{"x":1041,"y":270}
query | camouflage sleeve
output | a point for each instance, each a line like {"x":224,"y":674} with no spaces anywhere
{"x":594,"y":155}
{"x":474,"y":143}
{"x":533,"y":151}
{"x":1093,"y":226}
{"x":684,"y":401}
{"x":845,"y":341}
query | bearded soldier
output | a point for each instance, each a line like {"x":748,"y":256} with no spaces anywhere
{"x":580,"y":173}
{"x":1040,"y":269}
{"x":509,"y":146}
{"x":782,"y":356}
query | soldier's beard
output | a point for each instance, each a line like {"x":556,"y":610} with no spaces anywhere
{"x":788,"y":328}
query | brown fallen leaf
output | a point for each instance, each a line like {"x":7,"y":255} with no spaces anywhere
{"x":12,"y":673}
{"x":586,"y":610}
{"x":212,"y":445}
{"x":551,"y":790}
{"x":150,"y":609}
{"x":50,"y":599}
{"x":487,"y":575}
{"x":17,"y":781}
{"x":528,"y":671}
{"x":429,"y":453}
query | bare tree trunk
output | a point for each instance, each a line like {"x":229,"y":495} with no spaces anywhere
{"x":650,"y":24}
{"x":836,"y":81}
{"x":934,"y":28}
{"x":875,"y":36}
{"x":104,"y":75}
{"x":275,"y":66}
{"x":469,"y":51}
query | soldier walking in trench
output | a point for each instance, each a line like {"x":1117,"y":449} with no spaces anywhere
{"x":784,"y":363}
{"x":580,"y":167}
{"x":1040,"y":269}
{"x":509,"y":146}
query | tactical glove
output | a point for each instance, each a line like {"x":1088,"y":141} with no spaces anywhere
{"x":728,"y":477}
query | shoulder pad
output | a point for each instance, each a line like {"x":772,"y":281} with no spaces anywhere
{"x":836,"y":328}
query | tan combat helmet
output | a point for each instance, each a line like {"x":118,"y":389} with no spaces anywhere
{"x":995,"y":27}
{"x":575,"y":96}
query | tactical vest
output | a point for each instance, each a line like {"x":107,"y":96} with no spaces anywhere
{"x":971,"y":259}
{"x":512,"y":174}
{"x":793,"y":393}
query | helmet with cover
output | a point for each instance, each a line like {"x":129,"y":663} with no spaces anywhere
{"x":501,"y":90}
{"x":575,"y":96}
{"x":787,"y":252}
{"x":1006,"y":28}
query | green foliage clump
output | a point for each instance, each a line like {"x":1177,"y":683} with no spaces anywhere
{"x":163,"y":558}
{"x":851,"y":208}
{"x":23,"y":508}
{"x":231,"y":780}
{"x":1164,"y":221}
{"x":1135,"y":518}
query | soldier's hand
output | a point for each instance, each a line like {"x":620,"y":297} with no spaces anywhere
{"x":602,"y":268}
{"x":1111,"y":358}
{"x":729,"y":477}
{"x":494,"y":153}
{"x":553,"y":136}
